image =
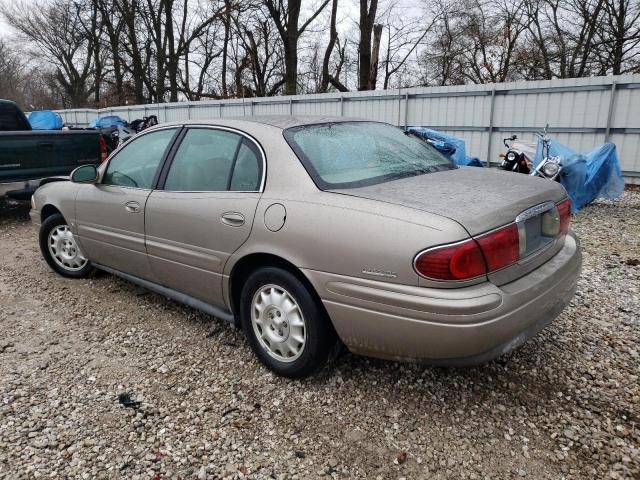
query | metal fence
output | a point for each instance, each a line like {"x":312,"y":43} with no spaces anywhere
{"x":581,"y":113}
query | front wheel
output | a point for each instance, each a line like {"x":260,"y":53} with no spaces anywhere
{"x":60,"y":249}
{"x":286,"y":327}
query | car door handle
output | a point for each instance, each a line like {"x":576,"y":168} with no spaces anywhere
{"x":45,"y":146}
{"x":233,"y":219}
{"x":132,"y":207}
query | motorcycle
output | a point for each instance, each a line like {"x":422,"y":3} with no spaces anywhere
{"x":143,"y":123}
{"x":550,"y":166}
{"x":119,"y":135}
{"x":519,"y":158}
{"x":515,"y":160}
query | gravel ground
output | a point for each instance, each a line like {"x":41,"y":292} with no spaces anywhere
{"x":101,"y":379}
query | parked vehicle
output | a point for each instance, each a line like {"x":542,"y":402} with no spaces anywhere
{"x":519,"y":158}
{"x":28,"y":156}
{"x":117,"y":131}
{"x":550,"y":166}
{"x":140,"y":124}
{"x":307,"y":230}
{"x":515,"y":159}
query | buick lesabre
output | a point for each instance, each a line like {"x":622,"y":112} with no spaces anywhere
{"x":309,"y":231}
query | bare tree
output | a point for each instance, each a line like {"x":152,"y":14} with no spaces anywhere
{"x":333,"y":38}
{"x":619,"y":37}
{"x":368,"y":10}
{"x":286,"y":17}
{"x":58,"y":36}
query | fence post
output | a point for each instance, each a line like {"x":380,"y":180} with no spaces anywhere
{"x":491,"y":107}
{"x":406,"y":111}
{"x":188,"y":110}
{"x":290,"y":106}
{"x":342,"y":105}
{"x":612,"y":100}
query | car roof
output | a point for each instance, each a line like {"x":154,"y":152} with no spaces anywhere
{"x":278,"y":121}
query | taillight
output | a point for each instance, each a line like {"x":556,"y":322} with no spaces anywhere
{"x":103,"y":148}
{"x":564,"y":210}
{"x":501,"y":247}
{"x":459,"y":261}
{"x":491,"y":251}
{"x":471,"y":258}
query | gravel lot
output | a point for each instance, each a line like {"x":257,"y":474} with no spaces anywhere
{"x":101,"y":379}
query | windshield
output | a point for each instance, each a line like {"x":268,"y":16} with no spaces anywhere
{"x":358,"y":154}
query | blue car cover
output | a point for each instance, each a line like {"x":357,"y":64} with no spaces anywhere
{"x":45,"y":120}
{"x":452,"y":147}
{"x":108,"y":121}
{"x":586,"y":176}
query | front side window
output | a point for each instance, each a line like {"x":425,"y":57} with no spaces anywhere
{"x":209,"y":160}
{"x":358,"y":154}
{"x":136,"y":164}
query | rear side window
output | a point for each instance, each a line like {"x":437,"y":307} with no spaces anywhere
{"x":209,"y":160}
{"x":12,"y":119}
{"x":136,"y":164}
{"x":246,"y":173}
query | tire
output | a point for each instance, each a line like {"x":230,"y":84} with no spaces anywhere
{"x":277,"y":311}
{"x":60,"y":249}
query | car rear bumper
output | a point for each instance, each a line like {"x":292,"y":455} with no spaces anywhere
{"x":461,"y":326}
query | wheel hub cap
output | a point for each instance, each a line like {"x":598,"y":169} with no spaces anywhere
{"x":64,"y":249}
{"x":278,"y":323}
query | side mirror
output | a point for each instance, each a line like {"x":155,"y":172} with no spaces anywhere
{"x":85,"y":174}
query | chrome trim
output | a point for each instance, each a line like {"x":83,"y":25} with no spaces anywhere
{"x":535,"y":211}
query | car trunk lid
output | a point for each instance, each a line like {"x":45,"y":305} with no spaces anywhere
{"x":480,"y":200}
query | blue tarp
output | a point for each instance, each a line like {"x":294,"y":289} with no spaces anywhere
{"x":586,"y":176}
{"x":109,"y":121}
{"x":452,"y":147}
{"x":45,"y":120}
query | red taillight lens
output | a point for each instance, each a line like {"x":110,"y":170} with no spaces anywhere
{"x":103,"y":148}
{"x":471,"y":258}
{"x":564,"y":210}
{"x":501,"y":247}
{"x":460,"y":261}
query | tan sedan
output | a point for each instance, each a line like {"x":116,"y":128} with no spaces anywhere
{"x":306,"y":231}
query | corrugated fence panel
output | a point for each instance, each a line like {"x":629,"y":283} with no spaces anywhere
{"x":579,"y":112}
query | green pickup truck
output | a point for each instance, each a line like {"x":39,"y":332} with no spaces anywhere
{"x":29,"y":156}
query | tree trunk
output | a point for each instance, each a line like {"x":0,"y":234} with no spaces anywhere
{"x":333,"y":36}
{"x":367,"y":19}
{"x":375,"y":53}
{"x":291,"y":65}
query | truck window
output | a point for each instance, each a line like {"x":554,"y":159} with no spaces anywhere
{"x":11,"y":118}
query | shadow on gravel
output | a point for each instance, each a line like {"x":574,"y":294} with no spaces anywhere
{"x":12,"y":211}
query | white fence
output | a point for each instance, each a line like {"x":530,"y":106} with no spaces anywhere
{"x":581,"y":113}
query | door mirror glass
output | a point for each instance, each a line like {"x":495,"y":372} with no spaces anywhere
{"x":85,"y":174}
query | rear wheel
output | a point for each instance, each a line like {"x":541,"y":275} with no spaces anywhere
{"x":286,"y":328}
{"x":60,"y":249}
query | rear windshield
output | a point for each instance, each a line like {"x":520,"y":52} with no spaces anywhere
{"x":11,"y":118}
{"x":358,"y":154}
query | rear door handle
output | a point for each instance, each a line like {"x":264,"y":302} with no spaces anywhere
{"x":132,"y":207}
{"x":45,"y":145}
{"x":233,"y":219}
